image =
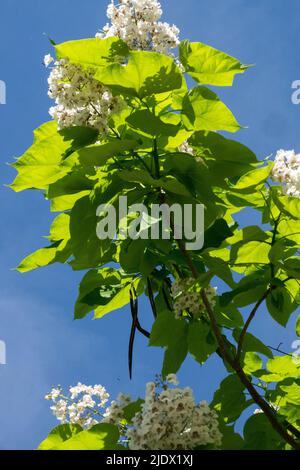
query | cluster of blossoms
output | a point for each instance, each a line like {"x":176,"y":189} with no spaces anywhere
{"x":286,"y":170}
{"x":137,"y":23}
{"x":185,"y":299}
{"x":81,"y":406}
{"x":169,"y":418}
{"x":80,"y":100}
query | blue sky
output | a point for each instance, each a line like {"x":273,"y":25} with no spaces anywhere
{"x":45,"y":346}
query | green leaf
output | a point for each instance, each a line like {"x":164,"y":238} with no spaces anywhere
{"x":60,"y":228}
{"x":104,"y":291}
{"x":289,"y":229}
{"x":252,"y":363}
{"x":203,"y":110}
{"x":289,"y":205}
{"x":254,"y":177}
{"x":252,"y":344}
{"x":172,"y":334}
{"x":97,"y":155}
{"x":88,"y":250}
{"x":292,"y":393}
{"x":201,"y":342}
{"x":151,"y":125}
{"x":292,"y":267}
{"x":229,"y":401}
{"x":281,"y":368}
{"x":216,"y":234}
{"x":59,"y":435}
{"x":66,"y":191}
{"x":44,"y":162}
{"x":131,"y":410}
{"x":208,"y":65}
{"x":99,"y":437}
{"x":253,"y":252}
{"x":229,"y":316}
{"x":230,"y":439}
{"x":291,"y":413}
{"x":281,"y":305}
{"x":259,"y":434}
{"x":168,"y":183}
{"x":219,"y":148}
{"x":58,"y":252}
{"x":93,"y":53}
{"x":249,"y":290}
{"x":146,"y":73}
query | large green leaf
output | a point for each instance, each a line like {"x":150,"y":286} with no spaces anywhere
{"x":289,"y":205}
{"x":88,"y":250}
{"x":44,"y":161}
{"x":259,"y":434}
{"x":152,"y":125}
{"x":281,"y":305}
{"x":209,"y":66}
{"x":97,"y":155}
{"x":58,"y":252}
{"x":254,"y":177}
{"x":66,"y":191}
{"x":281,"y":368}
{"x":201,"y":342}
{"x":99,"y":437}
{"x":172,"y":334}
{"x":104,"y":291}
{"x":231,"y":440}
{"x":59,"y":435}
{"x":252,"y":344}
{"x":93,"y":52}
{"x":145,"y":74}
{"x":229,"y":400}
{"x":252,"y":252}
{"x":203,"y":110}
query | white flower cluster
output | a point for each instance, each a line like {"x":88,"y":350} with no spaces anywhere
{"x":82,"y":405}
{"x":171,"y":420}
{"x":185,"y":299}
{"x":137,"y":23}
{"x":286,"y":170}
{"x":80,"y":99}
{"x":115,"y":412}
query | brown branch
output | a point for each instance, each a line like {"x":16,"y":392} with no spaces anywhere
{"x":269,"y":412}
{"x":248,"y":322}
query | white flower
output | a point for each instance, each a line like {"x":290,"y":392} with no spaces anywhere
{"x":80,"y":100}
{"x":137,"y":23}
{"x":48,"y":59}
{"x":171,"y":420}
{"x":286,"y":171}
{"x":81,"y":406}
{"x":53,"y":395}
{"x":185,"y":299}
{"x":172,"y":379}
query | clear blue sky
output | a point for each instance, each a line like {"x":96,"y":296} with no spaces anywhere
{"x":45,"y":346}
